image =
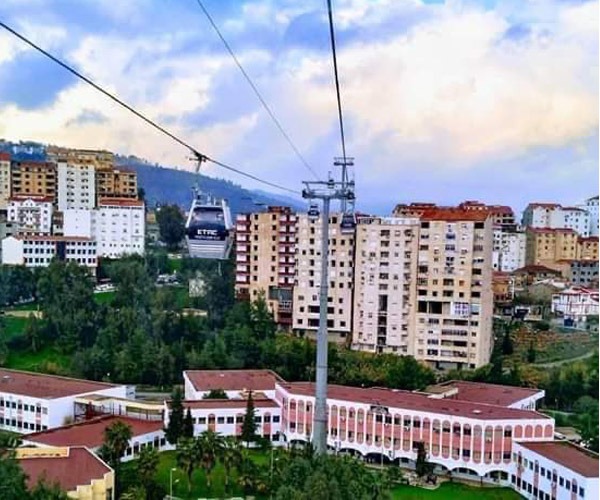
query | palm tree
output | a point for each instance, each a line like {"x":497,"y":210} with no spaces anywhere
{"x":247,"y":473}
{"x":211,"y":446}
{"x":188,"y":455}
{"x":116,"y":440}
{"x":231,"y":457}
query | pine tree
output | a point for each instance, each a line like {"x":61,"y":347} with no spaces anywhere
{"x":174,"y":430}
{"x":188,"y":425}
{"x":249,"y":423}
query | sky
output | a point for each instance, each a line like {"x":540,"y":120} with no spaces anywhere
{"x":494,"y":100}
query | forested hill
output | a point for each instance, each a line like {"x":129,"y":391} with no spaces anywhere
{"x":166,"y":185}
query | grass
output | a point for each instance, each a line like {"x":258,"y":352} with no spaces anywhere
{"x":46,"y":360}
{"x":13,"y":327}
{"x":450,"y":491}
{"x":104,"y":297}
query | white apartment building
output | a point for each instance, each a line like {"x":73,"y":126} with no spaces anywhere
{"x":38,"y":251}
{"x":591,"y":206}
{"x":576,"y":304}
{"x":79,"y":222}
{"x":509,"y":248}
{"x":384,"y":286}
{"x":4,"y":180}
{"x":30,"y":214}
{"x":554,"y":470}
{"x":76,"y":185}
{"x":118,"y":227}
{"x":308,"y":276}
{"x":34,"y":402}
{"x":555,"y":216}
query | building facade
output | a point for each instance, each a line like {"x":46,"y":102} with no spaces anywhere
{"x":591,"y":207}
{"x":555,"y":216}
{"x":546,"y":246}
{"x":510,"y":245}
{"x":575,"y":304}
{"x":384,"y":286}
{"x":38,"y":251}
{"x":308,"y":278}
{"x":4,"y":180}
{"x":76,"y":185}
{"x":31,"y":215}
{"x":266,"y":260}
{"x":118,"y":227}
{"x":116,"y":182}
{"x":33,"y":178}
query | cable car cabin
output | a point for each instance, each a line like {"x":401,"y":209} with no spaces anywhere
{"x":209,"y":230}
{"x":313,"y":213}
{"x":348,"y":224}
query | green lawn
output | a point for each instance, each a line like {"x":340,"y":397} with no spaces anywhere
{"x":104,"y":297}
{"x":13,"y":326}
{"x":450,"y":491}
{"x":46,"y":360}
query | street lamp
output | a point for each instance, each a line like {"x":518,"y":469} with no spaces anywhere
{"x":173,"y":469}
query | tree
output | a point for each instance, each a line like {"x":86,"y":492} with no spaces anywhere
{"x":116,"y":441}
{"x":507,"y":343}
{"x":249,"y":424}
{"x":231,"y":457}
{"x":422,"y":466}
{"x":215,"y":394}
{"x":211,"y":445}
{"x":531,"y":353}
{"x":174,"y":430}
{"x":171,"y":225}
{"x":147,"y":465}
{"x":44,"y":490}
{"x":188,"y":425}
{"x":188,"y":456}
{"x":12,"y":479}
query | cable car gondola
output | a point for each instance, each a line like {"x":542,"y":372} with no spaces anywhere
{"x":348,"y":223}
{"x":313,"y":212}
{"x":208,"y":228}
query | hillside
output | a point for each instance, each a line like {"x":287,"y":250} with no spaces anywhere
{"x":166,"y":185}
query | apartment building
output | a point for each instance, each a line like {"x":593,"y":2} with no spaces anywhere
{"x":582,"y":272}
{"x":501,"y":215}
{"x":34,"y":402}
{"x":76,"y":185}
{"x":266,"y":260}
{"x":33,"y":178}
{"x":4,"y":180}
{"x":587,"y":248}
{"x":546,"y":246}
{"x":308,"y":278}
{"x":95,"y":157}
{"x":118,"y":226}
{"x":38,"y":250}
{"x":116,"y":182}
{"x":30,"y":214}
{"x":454,"y":287}
{"x":555,"y":216}
{"x":510,"y":245}
{"x":384,"y":286}
{"x":76,"y":470}
{"x":575,"y":304}
{"x":591,"y":207}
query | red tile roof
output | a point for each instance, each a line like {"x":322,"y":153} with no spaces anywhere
{"x":454,"y":214}
{"x":33,"y":197}
{"x":233,"y":380}
{"x":43,"y":386}
{"x":590,"y":239}
{"x":572,"y":457}
{"x":228,"y":403}
{"x":535,"y":268}
{"x":415,"y":401}
{"x":37,"y":164}
{"x":4,"y":156}
{"x":551,"y":230}
{"x":477,"y":392}
{"x":90,"y":433}
{"x":543,"y":205}
{"x":80,"y":467}
{"x":121,"y":202}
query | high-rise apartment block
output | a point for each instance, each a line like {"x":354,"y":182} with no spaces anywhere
{"x":547,"y":247}
{"x":385,"y":279}
{"x":4,"y":180}
{"x":501,"y":215}
{"x":116,"y":182}
{"x":591,"y":206}
{"x":30,"y":214}
{"x":76,"y":185}
{"x":33,"y":178}
{"x":509,"y":248}
{"x":555,"y":216}
{"x":265,"y":259}
{"x":308,"y":278}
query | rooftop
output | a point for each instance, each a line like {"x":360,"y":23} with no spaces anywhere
{"x":233,"y":380}
{"x":535,"y":268}
{"x":431,"y":212}
{"x":90,"y":433}
{"x":42,"y":386}
{"x":552,"y":230}
{"x":48,"y":237}
{"x":71,"y":468}
{"x":415,"y":401}
{"x":572,"y":457}
{"x":4,"y":156}
{"x":478,"y":392}
{"x":543,"y":205}
{"x":120,"y":202}
{"x":33,"y":197}
{"x":209,"y":404}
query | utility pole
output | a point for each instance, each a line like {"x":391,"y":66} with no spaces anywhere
{"x":325,"y":191}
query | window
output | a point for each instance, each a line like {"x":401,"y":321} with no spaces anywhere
{"x":202,"y":420}
{"x":220,"y":420}
{"x":230,"y":420}
{"x":275,"y":419}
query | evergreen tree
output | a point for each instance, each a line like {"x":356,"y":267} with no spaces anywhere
{"x":174,"y":430}
{"x":188,"y":425}
{"x":531,"y":354}
{"x":507,"y":343}
{"x":249,"y":423}
{"x":216,"y":394}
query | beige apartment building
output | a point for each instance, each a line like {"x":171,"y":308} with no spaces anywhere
{"x":453,"y":319}
{"x":265,"y":259}
{"x":547,"y":246}
{"x":308,"y":277}
{"x":33,"y":178}
{"x":116,"y":182}
{"x":587,"y":248}
{"x":384,"y":285}
{"x":4,"y":180}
